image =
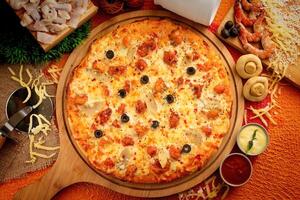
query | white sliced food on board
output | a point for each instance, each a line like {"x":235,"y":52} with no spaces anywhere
{"x":64,"y":14}
{"x":50,"y":16}
{"x":17,"y":4}
{"x":45,"y":37}
{"x":39,"y":26}
{"x":26,"y":20}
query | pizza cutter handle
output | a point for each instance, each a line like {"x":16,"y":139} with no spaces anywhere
{"x":45,"y":188}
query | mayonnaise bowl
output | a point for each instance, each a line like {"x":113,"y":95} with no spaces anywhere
{"x":253,"y":139}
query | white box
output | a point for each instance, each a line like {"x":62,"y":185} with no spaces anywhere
{"x":201,"y":11}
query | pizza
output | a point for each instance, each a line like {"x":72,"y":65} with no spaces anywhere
{"x":150,"y":102}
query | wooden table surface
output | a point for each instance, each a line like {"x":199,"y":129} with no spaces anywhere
{"x":276,"y":172}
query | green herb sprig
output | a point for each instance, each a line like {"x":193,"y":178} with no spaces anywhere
{"x":250,"y":143}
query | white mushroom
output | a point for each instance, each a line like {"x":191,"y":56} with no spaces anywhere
{"x":248,"y":65}
{"x":194,"y":135}
{"x":256,"y":88}
{"x":44,"y":37}
{"x":26,"y":20}
{"x":163,"y":157}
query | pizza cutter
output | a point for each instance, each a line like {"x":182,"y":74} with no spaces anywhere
{"x":13,"y":121}
{"x":18,"y":113}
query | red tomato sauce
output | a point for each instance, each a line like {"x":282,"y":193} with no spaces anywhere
{"x":236,"y":169}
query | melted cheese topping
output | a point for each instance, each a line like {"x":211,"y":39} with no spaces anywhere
{"x":93,"y":89}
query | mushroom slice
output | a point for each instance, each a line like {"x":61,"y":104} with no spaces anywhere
{"x":126,"y":154}
{"x":151,"y":103}
{"x":256,"y":88}
{"x":194,"y":135}
{"x":163,"y":157}
{"x":248,"y":65}
{"x":26,"y":20}
{"x":44,"y":37}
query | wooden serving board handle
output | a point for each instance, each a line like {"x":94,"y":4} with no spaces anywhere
{"x":45,"y":188}
{"x":67,"y":170}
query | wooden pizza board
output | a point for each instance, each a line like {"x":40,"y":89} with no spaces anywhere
{"x":91,"y":11}
{"x":72,"y":167}
{"x":292,"y":72}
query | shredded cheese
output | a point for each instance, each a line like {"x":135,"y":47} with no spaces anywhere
{"x":43,"y":126}
{"x":55,"y":72}
{"x":282,"y":19}
{"x":265,"y":112}
{"x":21,"y":82}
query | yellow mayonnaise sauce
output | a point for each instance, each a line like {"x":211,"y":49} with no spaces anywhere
{"x":259,"y":143}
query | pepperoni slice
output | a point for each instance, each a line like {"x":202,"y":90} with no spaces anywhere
{"x":212,"y":114}
{"x":146,"y":47}
{"x":127,"y":86}
{"x":140,"y":129}
{"x":116,"y":70}
{"x":207,"y":130}
{"x":176,"y":37}
{"x":127,"y":141}
{"x":104,"y":116}
{"x":159,"y":85}
{"x":141,"y":64}
{"x":80,"y":100}
{"x":131,"y":169}
{"x":121,"y":108}
{"x":174,"y":119}
{"x":140,"y":107}
{"x":109,"y":163}
{"x":219,"y":89}
{"x":151,"y":150}
{"x":174,"y":152}
{"x":198,"y":90}
{"x":170,"y":57}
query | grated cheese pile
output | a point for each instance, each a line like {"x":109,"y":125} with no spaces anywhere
{"x":210,"y":190}
{"x":283,"y":17}
{"x":54,"y":72}
{"x":38,"y":133}
{"x":265,"y":113}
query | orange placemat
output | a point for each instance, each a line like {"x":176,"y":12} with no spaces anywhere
{"x":276,"y":172}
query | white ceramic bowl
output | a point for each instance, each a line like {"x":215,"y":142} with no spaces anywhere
{"x":265,"y":132}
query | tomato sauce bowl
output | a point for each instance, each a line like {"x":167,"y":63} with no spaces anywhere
{"x":236,"y":169}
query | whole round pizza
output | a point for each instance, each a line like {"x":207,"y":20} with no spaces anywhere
{"x":150,"y":102}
